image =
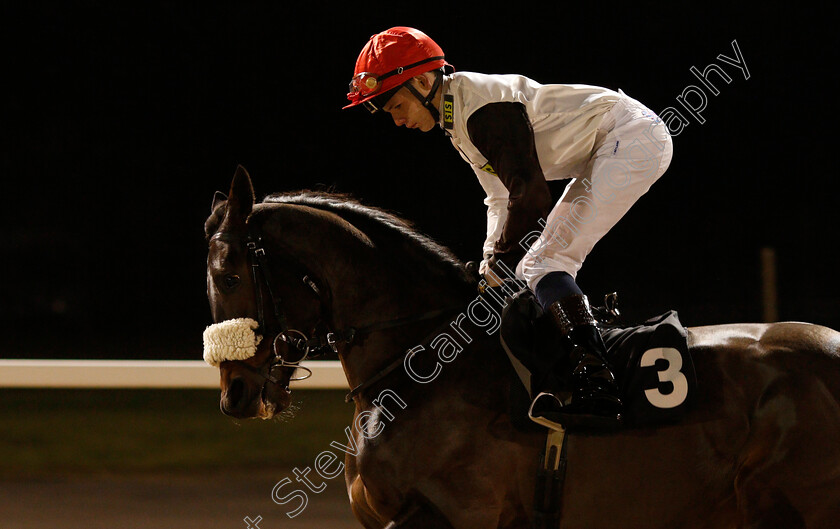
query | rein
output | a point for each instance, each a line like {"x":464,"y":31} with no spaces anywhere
{"x":390,"y":368}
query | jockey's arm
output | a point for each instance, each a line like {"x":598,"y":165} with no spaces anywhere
{"x":502,"y":133}
{"x":496,"y":202}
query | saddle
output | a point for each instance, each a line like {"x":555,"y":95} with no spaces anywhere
{"x":651,"y":360}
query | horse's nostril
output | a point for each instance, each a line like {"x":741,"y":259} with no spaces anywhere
{"x":234,"y":398}
{"x":236,"y":389}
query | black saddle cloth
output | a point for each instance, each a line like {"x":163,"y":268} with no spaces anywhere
{"x":651,"y":361}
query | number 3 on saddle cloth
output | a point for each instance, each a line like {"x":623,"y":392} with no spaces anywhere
{"x":651,"y":361}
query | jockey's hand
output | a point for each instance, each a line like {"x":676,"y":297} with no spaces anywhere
{"x":491,"y":275}
{"x":491,"y":280}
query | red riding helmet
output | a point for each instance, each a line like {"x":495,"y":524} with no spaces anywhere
{"x":390,"y":59}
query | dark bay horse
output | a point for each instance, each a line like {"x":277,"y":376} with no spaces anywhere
{"x":433,"y":441}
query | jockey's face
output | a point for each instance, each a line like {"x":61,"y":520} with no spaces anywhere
{"x":407,"y":110}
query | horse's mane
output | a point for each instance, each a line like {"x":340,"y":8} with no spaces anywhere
{"x":385,"y":228}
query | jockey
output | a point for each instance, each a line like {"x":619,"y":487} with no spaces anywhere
{"x":517,"y":134}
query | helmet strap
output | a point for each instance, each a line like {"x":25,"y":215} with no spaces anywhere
{"x":427,"y":101}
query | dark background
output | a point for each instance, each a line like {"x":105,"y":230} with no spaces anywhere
{"x":119,"y":121}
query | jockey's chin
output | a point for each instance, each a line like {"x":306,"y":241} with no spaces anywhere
{"x":426,"y":127}
{"x":424,"y":120}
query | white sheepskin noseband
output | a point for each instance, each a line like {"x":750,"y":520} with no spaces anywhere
{"x":230,"y":340}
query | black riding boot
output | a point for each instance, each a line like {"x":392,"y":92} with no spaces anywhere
{"x":593,"y":401}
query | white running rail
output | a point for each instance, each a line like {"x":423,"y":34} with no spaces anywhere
{"x":326,"y":374}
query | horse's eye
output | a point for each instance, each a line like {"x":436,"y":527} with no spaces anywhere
{"x":231,"y":280}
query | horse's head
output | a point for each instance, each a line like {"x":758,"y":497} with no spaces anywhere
{"x":255,"y":308}
{"x":305,"y":272}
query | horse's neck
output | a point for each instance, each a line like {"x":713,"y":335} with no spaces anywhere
{"x":372,"y":281}
{"x":402,"y":315}
{"x":373,"y":291}
{"x":447,"y":359}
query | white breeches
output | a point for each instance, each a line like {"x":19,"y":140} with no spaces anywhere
{"x":633,"y":156}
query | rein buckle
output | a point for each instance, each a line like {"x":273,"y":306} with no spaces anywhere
{"x":334,"y":337}
{"x":331,"y":341}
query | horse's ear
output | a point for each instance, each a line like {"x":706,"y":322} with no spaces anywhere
{"x":218,"y":198}
{"x":241,"y":197}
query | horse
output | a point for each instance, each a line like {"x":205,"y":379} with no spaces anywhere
{"x":434,"y":441}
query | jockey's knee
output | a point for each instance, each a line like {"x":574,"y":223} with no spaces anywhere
{"x":554,"y":276}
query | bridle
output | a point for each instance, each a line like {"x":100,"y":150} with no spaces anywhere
{"x":323,"y":339}
{"x":296,"y":340}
